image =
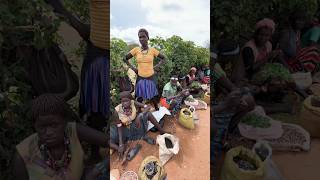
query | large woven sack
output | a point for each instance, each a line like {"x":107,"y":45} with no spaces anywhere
{"x":302,"y":80}
{"x":186,"y":118}
{"x":206,"y":97}
{"x":256,"y":133}
{"x":166,"y":153}
{"x":310,"y":118}
{"x":231,"y":171}
{"x":197,"y":104}
{"x":294,"y":138}
{"x":315,"y":88}
{"x":160,"y":175}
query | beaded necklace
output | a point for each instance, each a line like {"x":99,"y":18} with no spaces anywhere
{"x":56,"y":164}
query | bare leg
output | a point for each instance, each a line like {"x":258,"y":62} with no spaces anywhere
{"x":153,"y":120}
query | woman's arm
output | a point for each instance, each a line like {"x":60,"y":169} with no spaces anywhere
{"x":126,"y":60}
{"x":162,"y":61}
{"x":92,"y":136}
{"x":81,"y":28}
{"x":19,"y":168}
{"x":140,"y":105}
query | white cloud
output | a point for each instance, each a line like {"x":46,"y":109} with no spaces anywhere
{"x":186,"y":18}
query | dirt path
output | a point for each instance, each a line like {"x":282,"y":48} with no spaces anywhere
{"x":193,"y":160}
{"x":299,"y":165}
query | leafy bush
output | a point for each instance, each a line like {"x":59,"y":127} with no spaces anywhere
{"x":23,"y":23}
{"x":246,"y":13}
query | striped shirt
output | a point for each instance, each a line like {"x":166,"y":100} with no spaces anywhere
{"x":100,"y":23}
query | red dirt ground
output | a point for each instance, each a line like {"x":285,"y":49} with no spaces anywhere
{"x":193,"y":159}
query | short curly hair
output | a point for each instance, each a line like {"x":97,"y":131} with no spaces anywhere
{"x":145,"y":31}
{"x":50,"y":104}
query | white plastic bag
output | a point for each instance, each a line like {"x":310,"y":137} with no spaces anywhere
{"x":271,"y":171}
{"x":303,"y":80}
{"x":166,"y":153}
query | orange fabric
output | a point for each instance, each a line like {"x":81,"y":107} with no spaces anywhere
{"x":163,"y":102}
{"x":145,"y":60}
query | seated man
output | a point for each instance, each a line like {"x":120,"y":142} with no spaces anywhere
{"x":171,"y":98}
{"x":54,"y":151}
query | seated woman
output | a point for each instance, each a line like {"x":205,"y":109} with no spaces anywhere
{"x":171,"y":98}
{"x":312,"y":35}
{"x":54,"y":151}
{"x":131,"y":124}
{"x":191,"y":76}
{"x":258,"y":50}
{"x":203,"y":74}
{"x":296,"y":57}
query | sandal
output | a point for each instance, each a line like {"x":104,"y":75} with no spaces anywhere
{"x":149,"y":140}
{"x":133,"y":152}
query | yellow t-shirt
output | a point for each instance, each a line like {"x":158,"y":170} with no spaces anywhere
{"x":145,"y":60}
{"x":100,"y":23}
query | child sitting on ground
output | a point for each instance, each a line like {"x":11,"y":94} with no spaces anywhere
{"x":131,"y":125}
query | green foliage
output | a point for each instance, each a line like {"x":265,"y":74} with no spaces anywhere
{"x":79,"y":9}
{"x":245,"y":13}
{"x":15,"y":120}
{"x":118,"y":69}
{"x":24,"y":23}
{"x":272,"y":70}
{"x":28,"y":22}
{"x":256,"y":121}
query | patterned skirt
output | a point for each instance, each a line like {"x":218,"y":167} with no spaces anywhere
{"x":307,"y":58}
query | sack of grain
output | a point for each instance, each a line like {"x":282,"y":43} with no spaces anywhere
{"x":294,"y":138}
{"x":310,"y":117}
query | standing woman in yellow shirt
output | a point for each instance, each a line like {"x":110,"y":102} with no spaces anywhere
{"x":146,"y":86}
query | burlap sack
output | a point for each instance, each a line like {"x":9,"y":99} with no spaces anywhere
{"x":310,"y":118}
{"x":231,"y":171}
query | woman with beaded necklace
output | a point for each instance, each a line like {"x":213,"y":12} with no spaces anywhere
{"x":146,"y":87}
{"x":54,"y":152}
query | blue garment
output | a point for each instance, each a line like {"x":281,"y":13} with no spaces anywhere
{"x":146,"y":88}
{"x":95,"y":87}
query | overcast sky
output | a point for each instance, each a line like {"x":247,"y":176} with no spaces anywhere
{"x":189,"y":19}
